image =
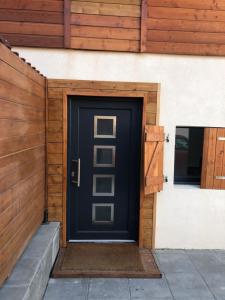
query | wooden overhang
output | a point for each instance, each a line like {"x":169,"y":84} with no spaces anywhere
{"x":149,"y":26}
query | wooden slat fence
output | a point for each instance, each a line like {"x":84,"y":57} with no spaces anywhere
{"x":22,"y":156}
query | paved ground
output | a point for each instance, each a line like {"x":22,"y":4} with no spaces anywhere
{"x":187,"y":275}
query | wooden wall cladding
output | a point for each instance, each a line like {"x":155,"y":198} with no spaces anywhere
{"x":22,"y":156}
{"x":106,"y":25}
{"x":56,"y":165}
{"x":33,"y":23}
{"x":150,"y":26}
{"x":183,"y":27}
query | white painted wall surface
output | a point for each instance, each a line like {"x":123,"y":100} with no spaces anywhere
{"x":192,"y":94}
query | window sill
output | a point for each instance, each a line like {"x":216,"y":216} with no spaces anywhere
{"x":186,"y":186}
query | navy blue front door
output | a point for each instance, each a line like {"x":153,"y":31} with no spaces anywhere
{"x":103,"y":168}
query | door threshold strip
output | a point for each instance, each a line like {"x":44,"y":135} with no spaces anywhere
{"x":102,"y":241}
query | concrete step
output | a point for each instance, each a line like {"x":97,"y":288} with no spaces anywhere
{"x":30,"y":276}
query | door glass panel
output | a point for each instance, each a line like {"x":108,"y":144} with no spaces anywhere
{"x":104,"y":126}
{"x":102,"y":213}
{"x":104,"y":156}
{"x":103,"y":185}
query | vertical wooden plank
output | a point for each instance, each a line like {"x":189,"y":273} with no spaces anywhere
{"x":154,"y":219}
{"x":154,"y":159}
{"x":204,"y":158}
{"x":64,"y":212}
{"x":209,"y":156}
{"x":158,"y":104}
{"x":67,"y":28}
{"x":160,"y":160}
{"x":155,"y":171}
{"x":219,"y":159}
{"x":46,"y":145}
{"x":155,"y":194}
{"x":223,"y":169}
{"x":144,"y":29}
{"x":142,"y":196}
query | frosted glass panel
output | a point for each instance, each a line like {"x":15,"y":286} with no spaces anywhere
{"x":104,"y":126}
{"x":102,"y":213}
{"x":104,"y":156}
{"x":103,"y":185}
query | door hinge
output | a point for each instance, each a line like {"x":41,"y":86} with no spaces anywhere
{"x":220,"y":177}
{"x":167,"y":139}
{"x":165,"y":178}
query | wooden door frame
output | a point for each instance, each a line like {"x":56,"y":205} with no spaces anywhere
{"x":117,"y":94}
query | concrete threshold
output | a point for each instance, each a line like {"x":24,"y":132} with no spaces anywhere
{"x":31,"y":273}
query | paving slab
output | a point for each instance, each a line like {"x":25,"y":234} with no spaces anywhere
{"x":188,"y":286}
{"x":216,"y":283}
{"x":220,"y":255}
{"x":174,"y":262}
{"x":108,"y":288}
{"x":69,"y":289}
{"x":205,"y":261}
{"x":149,"y":288}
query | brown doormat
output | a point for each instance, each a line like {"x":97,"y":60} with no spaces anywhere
{"x":105,"y":260}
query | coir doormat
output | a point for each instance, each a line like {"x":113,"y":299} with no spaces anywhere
{"x":105,"y":260}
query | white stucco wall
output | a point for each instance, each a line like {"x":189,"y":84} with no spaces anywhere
{"x":192,"y":94}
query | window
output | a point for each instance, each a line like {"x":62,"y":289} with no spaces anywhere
{"x":102,"y":213}
{"x":103,"y":185}
{"x":188,"y":155}
{"x":200,"y":157}
{"x":104,"y":156}
{"x":105,"y":126}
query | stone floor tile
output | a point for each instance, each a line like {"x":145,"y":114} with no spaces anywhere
{"x":216,"y":282}
{"x":188,"y":286}
{"x":215,"y":279}
{"x":68,"y":289}
{"x":108,"y":288}
{"x":205,"y":260}
{"x":149,"y":288}
{"x":220,"y":255}
{"x":218,"y":292}
{"x":175,"y":262}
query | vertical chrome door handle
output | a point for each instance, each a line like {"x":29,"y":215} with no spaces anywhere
{"x":78,"y":172}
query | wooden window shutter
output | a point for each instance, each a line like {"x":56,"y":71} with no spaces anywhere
{"x":213,"y":161}
{"x":153,"y":159}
